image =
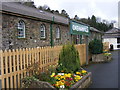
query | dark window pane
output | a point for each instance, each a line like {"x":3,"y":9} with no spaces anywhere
{"x":118,"y":40}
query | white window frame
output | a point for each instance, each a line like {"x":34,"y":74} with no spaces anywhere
{"x":21,"y":29}
{"x":57,"y":33}
{"x":42,"y":29}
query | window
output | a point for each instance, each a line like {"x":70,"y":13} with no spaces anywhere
{"x":42,"y":31}
{"x":118,"y":40}
{"x":21,"y":29}
{"x":118,"y":46}
{"x":58,"y":33}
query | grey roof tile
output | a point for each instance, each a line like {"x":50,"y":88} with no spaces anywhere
{"x":29,"y":11}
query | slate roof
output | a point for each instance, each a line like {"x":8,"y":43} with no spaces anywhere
{"x":113,"y":30}
{"x":112,"y":33}
{"x":95,"y":30}
{"x":17,"y":8}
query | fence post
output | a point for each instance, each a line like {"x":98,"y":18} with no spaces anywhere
{"x":2,"y":69}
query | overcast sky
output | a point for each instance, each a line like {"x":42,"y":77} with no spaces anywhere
{"x":106,"y":9}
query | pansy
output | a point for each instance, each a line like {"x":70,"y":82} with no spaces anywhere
{"x":83,"y":71}
{"x":52,"y":75}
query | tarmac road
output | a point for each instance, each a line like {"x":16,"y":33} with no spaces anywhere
{"x":105,"y":75}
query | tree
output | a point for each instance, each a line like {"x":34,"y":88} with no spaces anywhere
{"x":46,"y":7}
{"x":40,"y":7}
{"x":29,"y":3}
{"x":96,"y":46}
{"x":98,"y":25}
{"x":69,"y":60}
{"x":93,"y":21}
{"x":76,"y":17}
{"x":63,"y":12}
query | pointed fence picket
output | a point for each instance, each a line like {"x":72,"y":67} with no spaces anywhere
{"x":14,"y":64}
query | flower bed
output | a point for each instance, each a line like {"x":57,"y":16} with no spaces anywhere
{"x":81,"y":79}
{"x":66,"y":80}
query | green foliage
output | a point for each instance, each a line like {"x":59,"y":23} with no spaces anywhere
{"x":96,"y":46}
{"x":44,"y":76}
{"x":98,"y":25}
{"x":69,"y":59}
{"x":28,"y":80}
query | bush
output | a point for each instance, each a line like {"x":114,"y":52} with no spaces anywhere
{"x":68,"y":59}
{"x":96,"y":46}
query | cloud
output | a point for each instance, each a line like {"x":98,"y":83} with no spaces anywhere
{"x":106,"y":9}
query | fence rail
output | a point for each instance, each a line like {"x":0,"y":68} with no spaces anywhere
{"x":14,"y":63}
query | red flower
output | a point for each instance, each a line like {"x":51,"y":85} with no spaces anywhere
{"x":70,"y":79}
{"x":54,"y":75}
{"x":67,"y":83}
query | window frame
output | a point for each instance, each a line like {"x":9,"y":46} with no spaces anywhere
{"x":19,"y":28}
{"x":44,"y":31}
{"x":58,"y":33}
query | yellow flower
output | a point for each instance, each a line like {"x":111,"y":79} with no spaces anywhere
{"x":77,"y":72}
{"x":107,"y":54}
{"x":83,"y":71}
{"x":68,"y":75}
{"x":62,"y":77}
{"x":77,"y":77}
{"x":76,"y":80}
{"x":57,"y":85}
{"x":61,"y":83}
{"x":53,"y":74}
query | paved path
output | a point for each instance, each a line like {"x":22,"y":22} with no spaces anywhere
{"x":105,"y":75}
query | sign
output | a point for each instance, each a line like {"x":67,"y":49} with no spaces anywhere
{"x":78,"y":29}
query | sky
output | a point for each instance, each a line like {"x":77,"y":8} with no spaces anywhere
{"x":105,"y":9}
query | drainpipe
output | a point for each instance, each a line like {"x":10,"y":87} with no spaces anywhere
{"x":80,"y":39}
{"x":87,"y":49}
{"x":51,"y":34}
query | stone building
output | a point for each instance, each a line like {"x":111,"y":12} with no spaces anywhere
{"x":27,"y":27}
{"x":94,"y":33}
{"x":24,"y":26}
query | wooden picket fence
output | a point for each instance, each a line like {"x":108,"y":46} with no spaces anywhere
{"x":14,"y":63}
{"x":106,"y":46}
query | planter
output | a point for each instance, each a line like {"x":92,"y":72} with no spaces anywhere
{"x":107,"y":58}
{"x":83,"y":83}
{"x":101,"y":58}
{"x":97,"y":58}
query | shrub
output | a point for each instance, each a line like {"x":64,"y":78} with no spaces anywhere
{"x":96,"y":46}
{"x":68,"y":59}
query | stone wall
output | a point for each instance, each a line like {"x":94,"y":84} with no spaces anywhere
{"x":11,"y":41}
{"x":94,"y":35}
